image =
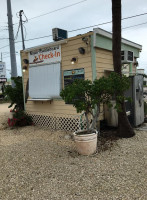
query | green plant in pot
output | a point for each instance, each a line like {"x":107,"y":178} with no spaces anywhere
{"x":86,"y":96}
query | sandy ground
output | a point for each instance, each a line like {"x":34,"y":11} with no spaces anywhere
{"x":36,"y":164}
{"x":4,"y":108}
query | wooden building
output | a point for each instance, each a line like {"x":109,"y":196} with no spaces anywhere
{"x":50,"y":67}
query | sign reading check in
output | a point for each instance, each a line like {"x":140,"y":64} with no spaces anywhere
{"x":45,"y":55}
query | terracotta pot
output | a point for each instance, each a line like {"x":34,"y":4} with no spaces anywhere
{"x":86,"y":144}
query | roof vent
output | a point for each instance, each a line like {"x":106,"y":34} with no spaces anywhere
{"x":59,"y":34}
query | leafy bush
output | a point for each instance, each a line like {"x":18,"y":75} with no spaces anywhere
{"x":117,"y":86}
{"x":15,"y":94}
{"x":19,"y":118}
{"x":86,"y":95}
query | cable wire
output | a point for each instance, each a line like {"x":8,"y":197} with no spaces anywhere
{"x":4,"y":38}
{"x":135,"y":25}
{"x":3,"y":30}
{"x":108,"y":22}
{"x":38,"y":38}
{"x":55,"y":10}
{"x":73,"y":31}
{"x":16,"y":36}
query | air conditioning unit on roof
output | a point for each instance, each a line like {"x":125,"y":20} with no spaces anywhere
{"x":59,"y":34}
{"x":127,"y":56}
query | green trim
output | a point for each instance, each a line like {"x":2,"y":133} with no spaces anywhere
{"x":106,"y":43}
{"x":93,"y":60}
{"x":103,"y":42}
{"x":130,"y":68}
{"x":73,"y":71}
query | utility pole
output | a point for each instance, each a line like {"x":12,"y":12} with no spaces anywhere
{"x":1,"y":57}
{"x":11,"y":42}
{"x":22,"y":35}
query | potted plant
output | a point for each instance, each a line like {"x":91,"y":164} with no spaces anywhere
{"x":86,"y":96}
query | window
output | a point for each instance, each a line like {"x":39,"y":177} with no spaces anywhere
{"x":71,"y":75}
{"x":45,"y":81}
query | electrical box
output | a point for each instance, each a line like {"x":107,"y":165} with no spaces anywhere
{"x":127,"y":56}
{"x":59,"y":34}
{"x":136,"y":106}
{"x":71,"y":75}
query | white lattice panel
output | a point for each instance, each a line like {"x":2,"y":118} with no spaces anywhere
{"x":58,"y":122}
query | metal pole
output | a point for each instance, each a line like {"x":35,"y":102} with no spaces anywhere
{"x":22,"y":35}
{"x":11,"y":42}
{"x":1,"y":57}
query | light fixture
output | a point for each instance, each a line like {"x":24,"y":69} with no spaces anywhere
{"x":24,"y":68}
{"x":86,"y":40}
{"x":26,"y":61}
{"x":81,"y":50}
{"x":73,"y":60}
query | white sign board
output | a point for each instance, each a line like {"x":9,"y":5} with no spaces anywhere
{"x":45,"y":55}
{"x":2,"y":70}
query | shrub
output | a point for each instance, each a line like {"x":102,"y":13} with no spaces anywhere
{"x":15,"y":94}
{"x":86,"y":96}
{"x":20,"y":118}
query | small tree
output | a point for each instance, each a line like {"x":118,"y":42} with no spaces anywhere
{"x":15,"y":94}
{"x":87,"y":96}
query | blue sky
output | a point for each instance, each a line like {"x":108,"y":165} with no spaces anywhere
{"x":85,"y":13}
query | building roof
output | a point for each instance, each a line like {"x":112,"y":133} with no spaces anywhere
{"x":96,"y":31}
{"x":107,"y":34}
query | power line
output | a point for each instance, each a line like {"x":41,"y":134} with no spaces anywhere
{"x":90,"y":26}
{"x":134,"y":16}
{"x":39,"y":37}
{"x":55,"y":10}
{"x":8,"y":56}
{"x":35,"y":38}
{"x":108,"y":22}
{"x":29,"y":40}
{"x":134,"y":25}
{"x":3,"y":30}
{"x":17,"y":31}
{"x":73,"y":31}
{"x":4,"y":46}
{"x":4,"y":38}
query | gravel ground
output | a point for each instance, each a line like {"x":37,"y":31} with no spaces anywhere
{"x":36,"y":164}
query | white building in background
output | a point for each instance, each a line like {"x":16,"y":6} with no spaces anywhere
{"x":142,"y":71}
{"x":3,"y":78}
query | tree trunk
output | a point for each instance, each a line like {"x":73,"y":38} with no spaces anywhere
{"x":116,"y":30}
{"x":124,"y":127}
